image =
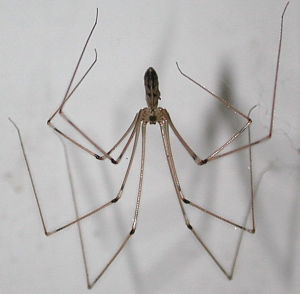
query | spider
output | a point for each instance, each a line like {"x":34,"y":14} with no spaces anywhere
{"x":152,"y":114}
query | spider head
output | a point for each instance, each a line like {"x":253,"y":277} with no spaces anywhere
{"x":151,"y":87}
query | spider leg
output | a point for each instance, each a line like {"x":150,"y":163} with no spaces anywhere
{"x":68,"y":94}
{"x":215,"y":155}
{"x":181,"y":199}
{"x":167,"y":146}
{"x":105,"y":154}
{"x":134,"y":223}
{"x":135,"y":134}
{"x":269,"y":135}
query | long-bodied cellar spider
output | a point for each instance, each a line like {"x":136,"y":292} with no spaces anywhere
{"x":153,"y":114}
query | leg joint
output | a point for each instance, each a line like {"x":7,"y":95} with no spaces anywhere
{"x":115,"y":200}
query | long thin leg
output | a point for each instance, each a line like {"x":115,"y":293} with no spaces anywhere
{"x":167,"y":146}
{"x":137,"y":207}
{"x":135,"y":133}
{"x":71,"y":93}
{"x":215,"y":155}
{"x":68,"y":94}
{"x":105,"y":154}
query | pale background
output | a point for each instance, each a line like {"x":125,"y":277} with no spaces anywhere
{"x":40,"y":45}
